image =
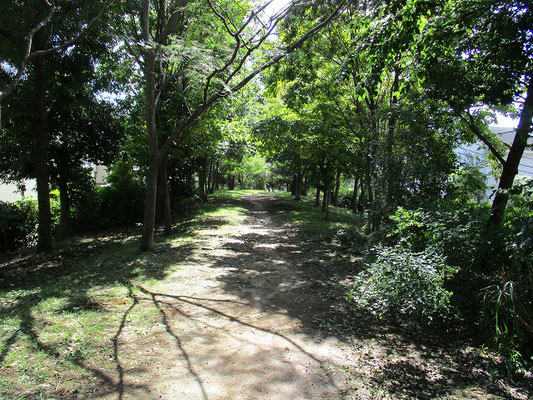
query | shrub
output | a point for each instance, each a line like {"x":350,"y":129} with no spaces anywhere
{"x":457,"y":232}
{"x":404,"y":285}
{"x":352,"y":237}
{"x":18,"y":223}
{"x":508,"y":317}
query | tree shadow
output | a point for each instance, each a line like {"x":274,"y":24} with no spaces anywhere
{"x":281,"y":271}
{"x":29,"y":283}
{"x":200,"y":306}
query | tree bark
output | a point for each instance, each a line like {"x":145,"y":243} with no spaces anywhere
{"x":63,"y":230}
{"x":298,"y":186}
{"x":163,"y":212}
{"x":391,"y":173}
{"x":202,"y":180}
{"x":362,"y":197}
{"x":325,"y":198}
{"x":317,"y":196}
{"x":325,"y":201}
{"x":353,"y":206}
{"x":337,"y":188}
{"x":209,"y":176}
{"x":368,"y":176}
{"x":40,"y":148}
{"x":147,"y":239}
{"x":510,"y":168}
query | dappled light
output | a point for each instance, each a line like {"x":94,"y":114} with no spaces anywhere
{"x":266,"y":199}
{"x":221,"y":311}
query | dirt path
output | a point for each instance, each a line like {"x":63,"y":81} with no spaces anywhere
{"x":228,"y":330}
{"x":239,"y":321}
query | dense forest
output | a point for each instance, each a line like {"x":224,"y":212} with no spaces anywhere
{"x":350,"y":106}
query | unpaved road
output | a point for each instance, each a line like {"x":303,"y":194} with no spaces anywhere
{"x":228,"y":330}
{"x":238,"y":321}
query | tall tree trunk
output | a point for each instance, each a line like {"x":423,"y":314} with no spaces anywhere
{"x":298,"y":186}
{"x":63,"y":230}
{"x":391,"y":173}
{"x":151,"y":93}
{"x":353,"y":204}
{"x":209,"y":176}
{"x":214,"y":177}
{"x":147,"y":239}
{"x":368,"y":177}
{"x":202,"y":178}
{"x":317,"y":196}
{"x":325,"y":198}
{"x":40,"y":148}
{"x":293,"y":185}
{"x":163,"y":214}
{"x":510,"y":168}
{"x":362,"y":197}
{"x":325,"y":201}
{"x":337,"y":188}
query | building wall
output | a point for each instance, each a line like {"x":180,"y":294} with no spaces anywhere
{"x":478,"y":149}
{"x":9,"y":191}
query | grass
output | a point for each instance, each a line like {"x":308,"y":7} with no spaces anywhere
{"x":304,"y":215}
{"x":234,"y":194}
{"x":62,"y":317}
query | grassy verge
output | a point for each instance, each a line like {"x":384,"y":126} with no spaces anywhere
{"x":304,"y":215}
{"x":234,"y":194}
{"x":62,"y":318}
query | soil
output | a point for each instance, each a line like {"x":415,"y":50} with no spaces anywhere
{"x":257,"y":311}
{"x":252,"y":316}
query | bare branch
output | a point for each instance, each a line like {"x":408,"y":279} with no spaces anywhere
{"x":236,"y":36}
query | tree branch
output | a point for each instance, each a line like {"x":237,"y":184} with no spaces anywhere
{"x":82,"y":33}
{"x":476,"y":131}
{"x":224,"y":93}
{"x":26,"y":57}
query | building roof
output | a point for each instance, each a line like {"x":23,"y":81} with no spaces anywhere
{"x":507,"y":134}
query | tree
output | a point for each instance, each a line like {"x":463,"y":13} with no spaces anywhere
{"x":47,"y":29}
{"x":172,"y":49}
{"x":479,"y":53}
{"x":83,"y":129}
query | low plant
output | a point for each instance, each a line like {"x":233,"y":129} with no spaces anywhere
{"x":18,"y":223}
{"x":404,"y":285}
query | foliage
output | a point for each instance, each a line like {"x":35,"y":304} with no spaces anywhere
{"x":467,"y":183}
{"x":404,"y":285}
{"x":18,"y":223}
{"x":120,"y":203}
{"x":507,"y":303}
{"x":507,"y":316}
{"x":455,"y":230}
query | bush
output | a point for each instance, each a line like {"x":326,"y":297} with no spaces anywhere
{"x":507,"y":317}
{"x":18,"y":222}
{"x":352,"y":237}
{"x":457,"y":232}
{"x":404,"y":285}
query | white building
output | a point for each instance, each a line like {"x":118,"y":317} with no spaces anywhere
{"x":478,"y":149}
{"x":10,"y":193}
